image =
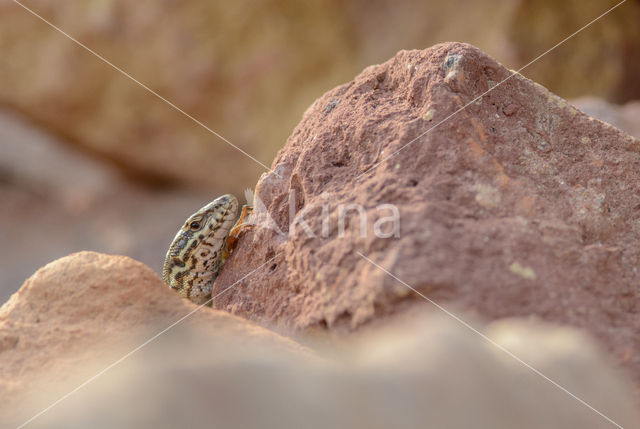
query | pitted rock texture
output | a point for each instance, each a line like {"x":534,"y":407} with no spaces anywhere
{"x":516,"y":205}
{"x":79,"y":314}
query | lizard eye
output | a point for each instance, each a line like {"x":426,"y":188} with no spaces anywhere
{"x":195,"y":225}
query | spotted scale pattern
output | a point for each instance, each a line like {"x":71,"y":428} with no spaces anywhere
{"x":197,"y":252}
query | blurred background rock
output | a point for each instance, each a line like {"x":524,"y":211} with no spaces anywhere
{"x":90,"y":160}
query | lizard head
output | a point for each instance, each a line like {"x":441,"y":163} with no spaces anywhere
{"x":195,"y":255}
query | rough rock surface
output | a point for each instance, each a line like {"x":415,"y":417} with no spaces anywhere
{"x":80,"y":313}
{"x":518,"y":205}
{"x":424,"y":372}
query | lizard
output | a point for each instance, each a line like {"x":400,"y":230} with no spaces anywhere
{"x":201,"y":247}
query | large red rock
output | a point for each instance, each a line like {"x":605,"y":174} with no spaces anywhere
{"x":516,"y":205}
{"x":80,"y":314}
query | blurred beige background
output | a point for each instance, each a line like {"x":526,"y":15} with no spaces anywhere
{"x":90,"y":160}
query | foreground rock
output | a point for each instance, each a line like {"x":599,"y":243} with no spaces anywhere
{"x":108,"y":325}
{"x":424,"y":373}
{"x":80,"y":313}
{"x":518,"y":205}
